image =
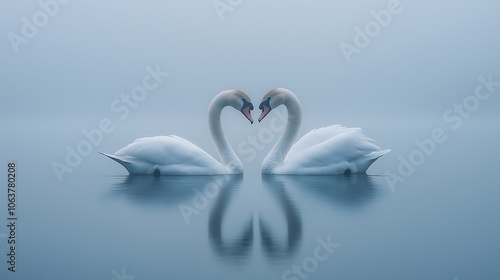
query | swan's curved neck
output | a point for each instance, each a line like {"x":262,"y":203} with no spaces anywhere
{"x":285,"y":142}
{"x":224,"y":149}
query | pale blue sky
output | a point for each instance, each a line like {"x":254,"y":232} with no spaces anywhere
{"x":91,"y":52}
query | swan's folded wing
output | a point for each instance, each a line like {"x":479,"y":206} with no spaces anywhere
{"x":344,"y":145}
{"x":167,"y":150}
{"x":318,"y":136}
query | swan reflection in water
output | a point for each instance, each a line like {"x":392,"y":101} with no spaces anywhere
{"x":286,"y":191}
{"x":239,"y":248}
{"x":347,"y":192}
{"x":161,"y":190}
{"x":272,"y":248}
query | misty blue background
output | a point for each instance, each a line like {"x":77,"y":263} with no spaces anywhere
{"x":442,"y":222}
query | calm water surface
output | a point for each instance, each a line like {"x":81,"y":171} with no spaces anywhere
{"x":441,"y":223}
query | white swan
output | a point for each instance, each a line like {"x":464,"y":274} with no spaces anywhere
{"x":174,"y":155}
{"x":328,"y":150}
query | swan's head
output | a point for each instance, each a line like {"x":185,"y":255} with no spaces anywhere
{"x":240,"y":101}
{"x":273,"y":99}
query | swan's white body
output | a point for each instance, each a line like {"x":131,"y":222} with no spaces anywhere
{"x":174,"y":155}
{"x":328,"y":150}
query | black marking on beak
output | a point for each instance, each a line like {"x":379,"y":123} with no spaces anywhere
{"x":246,"y":104}
{"x":265,"y":103}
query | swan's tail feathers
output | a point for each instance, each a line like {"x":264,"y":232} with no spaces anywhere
{"x":364,"y":162}
{"x":377,"y":154}
{"x":120,"y":160}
